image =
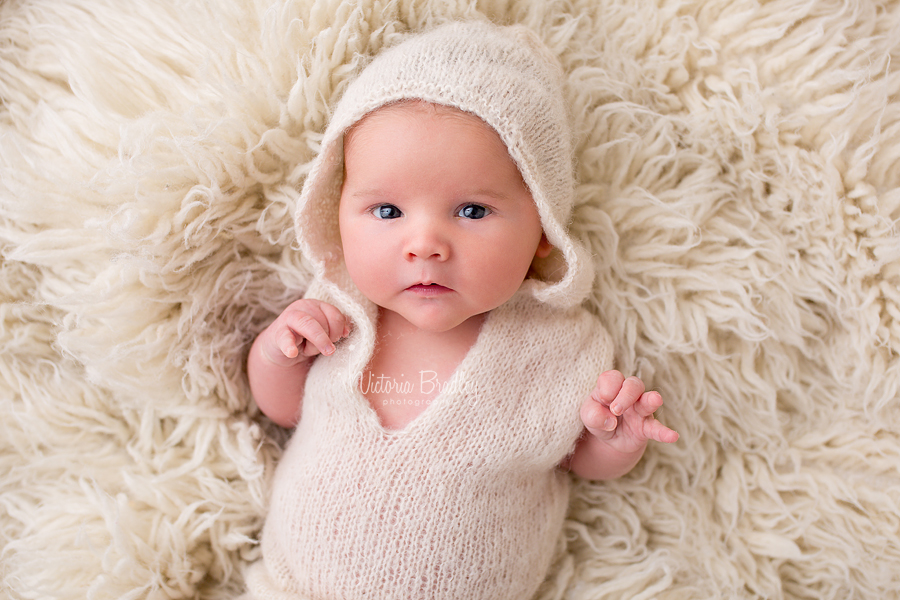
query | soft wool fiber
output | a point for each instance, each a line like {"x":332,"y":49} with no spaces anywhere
{"x":739,"y":185}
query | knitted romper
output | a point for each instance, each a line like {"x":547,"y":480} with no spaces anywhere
{"x":467,"y":501}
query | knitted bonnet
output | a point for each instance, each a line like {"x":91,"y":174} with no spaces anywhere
{"x":505,"y":76}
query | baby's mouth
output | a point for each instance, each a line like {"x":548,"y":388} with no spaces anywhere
{"x":428,"y":289}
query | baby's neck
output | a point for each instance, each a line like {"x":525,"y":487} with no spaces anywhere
{"x":414,"y":363}
{"x":395,"y":329}
{"x":402,"y":349}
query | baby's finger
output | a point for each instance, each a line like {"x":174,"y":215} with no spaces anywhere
{"x":608,"y":385}
{"x":631,"y":391}
{"x":654,"y":430}
{"x":598,"y":419}
{"x":310,"y":329}
{"x":338,"y":324}
{"x":288,"y":343}
{"x":648,"y":403}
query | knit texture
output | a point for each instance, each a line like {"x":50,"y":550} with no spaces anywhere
{"x":466,"y":502}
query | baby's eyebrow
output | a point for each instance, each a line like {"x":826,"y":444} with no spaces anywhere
{"x":381,"y":194}
{"x":488,"y":193}
{"x":370,"y":193}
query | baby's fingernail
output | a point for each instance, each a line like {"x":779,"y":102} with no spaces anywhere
{"x":615,"y":408}
{"x":610,"y":423}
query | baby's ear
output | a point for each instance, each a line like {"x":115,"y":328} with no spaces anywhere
{"x":544,"y":247}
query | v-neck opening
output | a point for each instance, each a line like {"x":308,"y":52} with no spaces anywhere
{"x":450,"y":388}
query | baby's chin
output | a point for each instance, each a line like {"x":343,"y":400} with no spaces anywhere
{"x":440,"y":322}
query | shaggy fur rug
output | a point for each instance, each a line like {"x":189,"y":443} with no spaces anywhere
{"x":739,"y":185}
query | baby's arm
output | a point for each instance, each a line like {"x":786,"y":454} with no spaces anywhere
{"x":281,"y":355}
{"x":618,"y":420}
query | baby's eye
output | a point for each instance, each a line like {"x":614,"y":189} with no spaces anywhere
{"x":473,"y":211}
{"x":387,"y":211}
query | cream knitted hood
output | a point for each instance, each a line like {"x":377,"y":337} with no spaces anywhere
{"x":505,"y":76}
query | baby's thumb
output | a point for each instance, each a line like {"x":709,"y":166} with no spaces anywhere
{"x":598,"y":419}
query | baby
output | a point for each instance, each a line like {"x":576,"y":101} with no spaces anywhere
{"x":440,"y":371}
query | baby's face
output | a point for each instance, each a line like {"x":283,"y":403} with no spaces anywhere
{"x":436,"y":223}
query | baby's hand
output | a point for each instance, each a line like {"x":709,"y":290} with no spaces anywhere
{"x":620,"y":413}
{"x":304,"y":329}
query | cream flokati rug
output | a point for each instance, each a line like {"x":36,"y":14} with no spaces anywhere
{"x":739,"y":184}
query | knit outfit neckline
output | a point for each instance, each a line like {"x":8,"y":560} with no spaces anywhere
{"x":366,"y":415}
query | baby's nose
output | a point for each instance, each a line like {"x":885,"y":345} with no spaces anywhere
{"x":427,"y":241}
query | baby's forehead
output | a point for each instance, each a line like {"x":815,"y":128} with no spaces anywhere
{"x":369,"y":134}
{"x":416,"y":109}
{"x":368,"y":130}
{"x":391,"y":139}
